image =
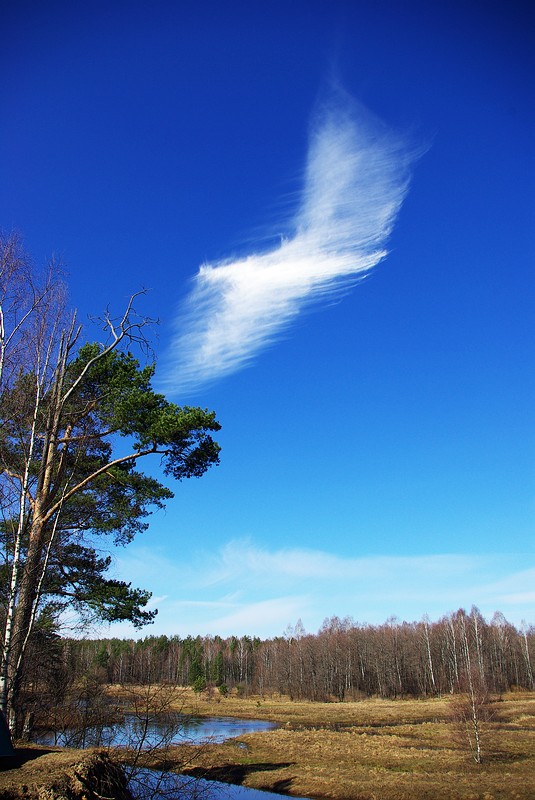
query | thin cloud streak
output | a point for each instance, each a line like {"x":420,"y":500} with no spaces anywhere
{"x":244,"y":588}
{"x":241,"y":561}
{"x":356,"y":178}
{"x":264,"y":616}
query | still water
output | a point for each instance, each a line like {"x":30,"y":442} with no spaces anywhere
{"x":173,"y":729}
{"x":180,"y":787}
{"x":160,"y":732}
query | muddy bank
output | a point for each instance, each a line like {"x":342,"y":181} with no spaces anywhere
{"x":35,"y":773}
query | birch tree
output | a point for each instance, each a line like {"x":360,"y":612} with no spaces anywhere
{"x":76,"y":418}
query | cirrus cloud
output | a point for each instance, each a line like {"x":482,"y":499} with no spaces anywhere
{"x":356,"y":178}
{"x":246,"y":588}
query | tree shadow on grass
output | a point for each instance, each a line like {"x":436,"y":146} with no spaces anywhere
{"x":21,"y":755}
{"x":235,"y":773}
{"x":282,"y":786}
{"x":505,"y":758}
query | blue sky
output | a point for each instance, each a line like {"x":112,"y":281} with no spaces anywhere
{"x":377,"y":409}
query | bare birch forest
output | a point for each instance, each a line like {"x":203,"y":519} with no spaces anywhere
{"x":343,"y":660}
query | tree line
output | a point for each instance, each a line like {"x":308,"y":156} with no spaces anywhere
{"x":343,"y":660}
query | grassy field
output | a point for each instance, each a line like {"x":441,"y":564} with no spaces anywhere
{"x":373,"y":749}
{"x":367,"y":750}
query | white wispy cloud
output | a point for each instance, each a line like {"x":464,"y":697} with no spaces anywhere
{"x":264,"y":616}
{"x":246,"y":588}
{"x":313,"y":584}
{"x":356,"y":177}
{"x":242,"y":562}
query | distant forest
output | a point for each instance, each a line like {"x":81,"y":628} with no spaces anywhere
{"x":344,"y":660}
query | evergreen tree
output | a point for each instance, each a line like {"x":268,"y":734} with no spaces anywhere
{"x":75,"y":422}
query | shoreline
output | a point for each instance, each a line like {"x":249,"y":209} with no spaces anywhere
{"x":393,"y":749}
{"x":396,"y":750}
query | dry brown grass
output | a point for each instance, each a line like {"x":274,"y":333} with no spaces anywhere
{"x":279,"y":708}
{"x":375,"y":750}
{"x":367,"y":750}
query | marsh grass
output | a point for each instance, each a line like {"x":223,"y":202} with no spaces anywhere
{"x":375,"y":749}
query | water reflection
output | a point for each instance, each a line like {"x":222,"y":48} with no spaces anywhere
{"x":160,"y":731}
{"x":149,"y":785}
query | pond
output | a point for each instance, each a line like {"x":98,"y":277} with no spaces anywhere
{"x":161,"y":731}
